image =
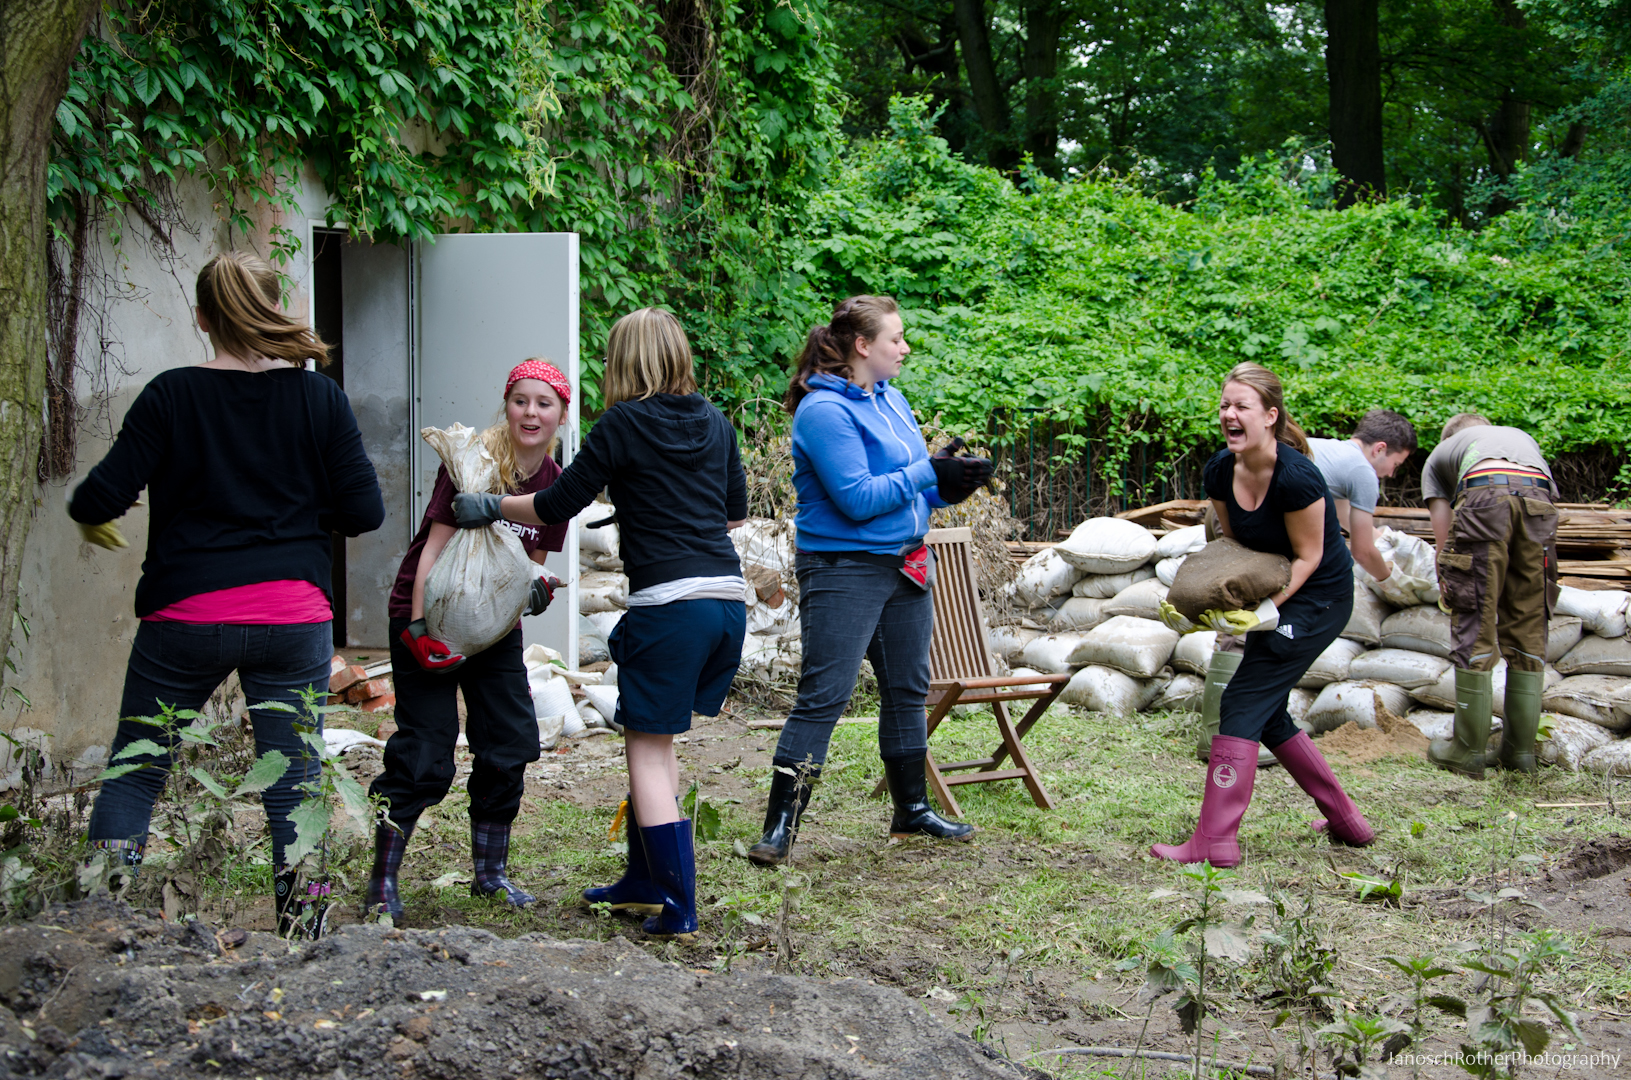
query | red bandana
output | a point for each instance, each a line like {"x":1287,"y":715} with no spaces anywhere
{"x":544,"y":372}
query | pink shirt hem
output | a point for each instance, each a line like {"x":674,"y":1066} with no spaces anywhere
{"x":265,"y":603}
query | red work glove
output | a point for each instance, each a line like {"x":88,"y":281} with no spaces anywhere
{"x":431,"y":654}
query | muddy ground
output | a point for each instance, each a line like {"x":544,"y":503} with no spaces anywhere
{"x":98,"y":990}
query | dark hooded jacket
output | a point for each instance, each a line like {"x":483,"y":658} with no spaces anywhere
{"x":671,"y":465}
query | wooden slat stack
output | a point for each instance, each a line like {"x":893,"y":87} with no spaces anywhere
{"x":1593,"y":539}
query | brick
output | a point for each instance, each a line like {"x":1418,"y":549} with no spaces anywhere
{"x":336,"y":664}
{"x":375,"y":704}
{"x":370,"y":688}
{"x":345,"y":679}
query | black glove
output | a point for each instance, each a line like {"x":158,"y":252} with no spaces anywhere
{"x":959,"y":477}
{"x":472,"y":510}
{"x":543,"y":591}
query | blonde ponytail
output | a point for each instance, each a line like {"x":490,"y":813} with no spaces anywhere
{"x":238,"y":295}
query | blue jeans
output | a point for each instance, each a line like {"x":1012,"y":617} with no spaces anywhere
{"x":849,"y":610}
{"x":181,"y":664}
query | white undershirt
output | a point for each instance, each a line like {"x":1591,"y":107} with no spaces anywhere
{"x":727,"y":587}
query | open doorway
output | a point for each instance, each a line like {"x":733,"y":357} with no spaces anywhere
{"x":328,"y":319}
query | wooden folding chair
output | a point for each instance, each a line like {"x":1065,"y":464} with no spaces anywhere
{"x":961,"y":672}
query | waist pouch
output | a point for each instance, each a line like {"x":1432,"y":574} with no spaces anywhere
{"x":916,"y":566}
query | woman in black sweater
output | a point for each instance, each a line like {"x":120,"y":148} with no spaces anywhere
{"x":671,"y":462}
{"x":250,"y":463}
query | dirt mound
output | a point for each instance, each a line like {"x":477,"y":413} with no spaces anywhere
{"x":1598,"y":857}
{"x":95,"y":990}
{"x":1393,"y":735}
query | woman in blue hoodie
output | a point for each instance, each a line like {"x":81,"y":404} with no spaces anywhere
{"x":865,"y":484}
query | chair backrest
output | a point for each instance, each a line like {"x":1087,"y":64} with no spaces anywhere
{"x":958,"y":649}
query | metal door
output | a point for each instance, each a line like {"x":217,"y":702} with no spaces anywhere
{"x":482,"y":303}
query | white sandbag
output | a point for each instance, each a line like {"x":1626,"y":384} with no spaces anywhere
{"x":1598,"y":656}
{"x":1400,"y":667}
{"x":1078,"y":613}
{"x":476,"y":591}
{"x":572,"y":724}
{"x":1566,"y":740}
{"x":1105,"y":690}
{"x":1180,"y":542}
{"x":1412,"y":557}
{"x":771,"y":657}
{"x":1104,"y":586}
{"x":765,"y":542}
{"x":601,"y":541}
{"x":1133,"y":646}
{"x":1563,"y":632}
{"x":1342,"y":702}
{"x":1050,"y":653}
{"x":1167,"y":569}
{"x":1141,"y":600}
{"x":1365,"y":624}
{"x":602,"y":592}
{"x":1622,"y":704}
{"x":1298,"y":702}
{"x":604,"y":699}
{"x":1419,"y":629}
{"x":592,"y":647}
{"x":1433,"y":723}
{"x":1043,"y":577}
{"x":1029,"y":687}
{"x":1107,"y":545}
{"x":1331,"y":665}
{"x":1008,"y":641}
{"x":1182,"y":694}
{"x":605,"y":621}
{"x":1602,"y":610}
{"x":1589,"y":697}
{"x":591,"y":716}
{"x":1194,"y":651}
{"x":1614,"y":759}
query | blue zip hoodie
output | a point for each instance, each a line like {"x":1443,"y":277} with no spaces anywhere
{"x":861,"y":470}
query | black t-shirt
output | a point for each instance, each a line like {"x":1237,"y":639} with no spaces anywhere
{"x":1296,"y":484}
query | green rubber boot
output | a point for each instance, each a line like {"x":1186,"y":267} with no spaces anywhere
{"x":1463,"y":752}
{"x":1522,"y":720}
{"x":1218,"y":673}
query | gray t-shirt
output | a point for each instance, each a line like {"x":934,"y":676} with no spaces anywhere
{"x":1347,"y":473}
{"x":1452,"y":458}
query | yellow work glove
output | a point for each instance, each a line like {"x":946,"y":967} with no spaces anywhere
{"x":1176,"y":620}
{"x":1240,"y":621}
{"x":105,"y":535}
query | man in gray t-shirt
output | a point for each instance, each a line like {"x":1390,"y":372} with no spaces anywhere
{"x":1353,"y":470}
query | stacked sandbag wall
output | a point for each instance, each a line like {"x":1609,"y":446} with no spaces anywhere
{"x":1090,"y":608}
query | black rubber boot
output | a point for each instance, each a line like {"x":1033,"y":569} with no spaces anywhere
{"x":302,"y":907}
{"x":914,"y":816}
{"x":788,"y":800}
{"x":389,"y":846}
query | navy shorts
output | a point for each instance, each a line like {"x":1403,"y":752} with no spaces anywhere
{"x":674,"y":660}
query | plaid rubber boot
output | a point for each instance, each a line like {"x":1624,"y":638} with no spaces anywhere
{"x":124,"y":859}
{"x":302,"y":907}
{"x":490,"y":844}
{"x":389,"y":846}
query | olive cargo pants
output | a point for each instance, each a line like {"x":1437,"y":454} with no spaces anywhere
{"x":1498,"y":576}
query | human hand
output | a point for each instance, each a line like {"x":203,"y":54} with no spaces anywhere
{"x":1239,"y":621}
{"x":1176,"y":620}
{"x":543,"y":591}
{"x":473,"y":509}
{"x":105,"y":535}
{"x":432,"y":654}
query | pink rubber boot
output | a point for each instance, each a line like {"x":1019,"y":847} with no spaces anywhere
{"x":1313,"y":774}
{"x":1229,"y":779}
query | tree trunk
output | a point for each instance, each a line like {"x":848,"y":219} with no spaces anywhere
{"x":990,"y":104}
{"x":1353,"y":66}
{"x":38,"y":39}
{"x":1043,"y":20}
{"x":1506,"y":134}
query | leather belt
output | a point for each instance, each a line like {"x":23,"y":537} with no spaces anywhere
{"x":1504,"y":479}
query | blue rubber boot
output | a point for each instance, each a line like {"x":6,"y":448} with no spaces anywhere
{"x":673,"y":865}
{"x":634,"y":891}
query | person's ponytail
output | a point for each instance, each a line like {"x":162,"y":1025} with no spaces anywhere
{"x":828,"y":348}
{"x":238,"y":295}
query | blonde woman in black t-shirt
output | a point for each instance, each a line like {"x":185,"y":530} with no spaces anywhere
{"x":1270,"y":496}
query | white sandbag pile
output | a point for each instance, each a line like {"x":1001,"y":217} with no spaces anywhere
{"x":1091,"y":607}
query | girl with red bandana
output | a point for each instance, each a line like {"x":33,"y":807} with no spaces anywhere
{"x":500,"y":723}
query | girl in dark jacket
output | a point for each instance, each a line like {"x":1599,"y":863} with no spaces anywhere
{"x":250,"y":462}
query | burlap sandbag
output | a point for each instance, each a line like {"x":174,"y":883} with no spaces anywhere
{"x":1226,"y":576}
